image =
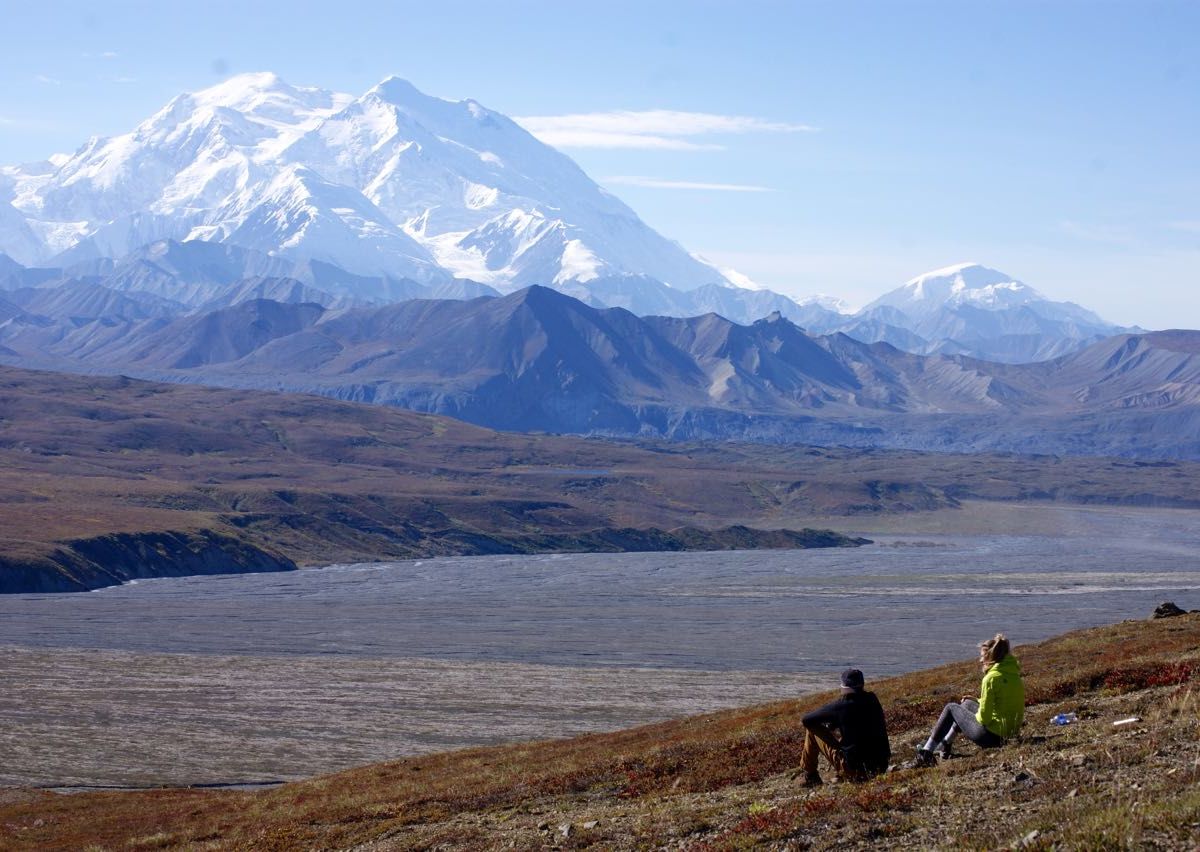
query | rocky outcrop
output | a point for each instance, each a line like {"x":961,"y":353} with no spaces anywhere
{"x":109,"y":560}
{"x":728,"y":538}
{"x":652,"y":539}
{"x":1168,"y":610}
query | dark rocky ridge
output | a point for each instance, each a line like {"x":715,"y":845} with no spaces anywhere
{"x":93,"y":563}
{"x":538,"y":360}
{"x":197,"y":275}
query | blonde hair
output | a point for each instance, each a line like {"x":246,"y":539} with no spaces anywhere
{"x":994,"y":650}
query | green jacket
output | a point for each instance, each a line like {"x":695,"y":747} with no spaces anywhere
{"x":1002,"y":698}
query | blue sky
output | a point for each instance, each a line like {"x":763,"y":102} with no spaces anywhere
{"x":838,"y":147}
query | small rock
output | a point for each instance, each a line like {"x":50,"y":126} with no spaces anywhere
{"x":1074,"y":792}
{"x":1168,"y":610}
{"x":38,"y":823}
{"x":1024,"y":780}
{"x":565,"y":829}
{"x":543,"y":826}
{"x":590,"y":824}
{"x":1079,"y":759}
{"x":1028,"y":840}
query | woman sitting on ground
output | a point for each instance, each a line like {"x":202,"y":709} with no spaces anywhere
{"x":995,"y":717}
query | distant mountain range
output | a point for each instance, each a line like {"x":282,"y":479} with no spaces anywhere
{"x":404,"y":249}
{"x":950,"y":311}
{"x":255,"y":188}
{"x":538,"y":359}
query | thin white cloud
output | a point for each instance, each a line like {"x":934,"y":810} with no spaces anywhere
{"x":125,"y":79}
{"x":656,"y":129}
{"x":1191,"y":226}
{"x":640,"y":141}
{"x":109,"y":54}
{"x":50,"y":81}
{"x":663,"y":183}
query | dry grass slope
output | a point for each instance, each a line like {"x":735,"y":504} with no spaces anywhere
{"x":84,"y":458}
{"x":722,"y":781}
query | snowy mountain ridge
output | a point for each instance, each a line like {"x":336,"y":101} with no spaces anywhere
{"x":960,"y":284}
{"x":972,"y":285}
{"x":398,"y":193}
{"x":393,"y":182}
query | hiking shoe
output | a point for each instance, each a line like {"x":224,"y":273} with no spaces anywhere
{"x":924,"y":758}
{"x":811,"y":779}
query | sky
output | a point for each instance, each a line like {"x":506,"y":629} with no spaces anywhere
{"x":836,"y":148}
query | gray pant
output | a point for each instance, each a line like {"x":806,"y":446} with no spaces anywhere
{"x":961,"y":717}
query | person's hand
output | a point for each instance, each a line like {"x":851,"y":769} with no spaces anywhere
{"x":966,"y":698}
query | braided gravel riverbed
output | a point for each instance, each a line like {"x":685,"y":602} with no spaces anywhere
{"x":271,"y":676}
{"x":74,"y":717}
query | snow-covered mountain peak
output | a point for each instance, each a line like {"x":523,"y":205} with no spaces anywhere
{"x":446,"y":119}
{"x":833,"y":304}
{"x":389,"y":182}
{"x":266,"y":95}
{"x":970,"y":268}
{"x":256,"y":98}
{"x":961,"y":284}
{"x":969,"y":302}
{"x":401,"y":92}
{"x":961,"y":278}
{"x":249,"y":81}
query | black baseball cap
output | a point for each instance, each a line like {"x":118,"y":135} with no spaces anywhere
{"x":852,"y":679}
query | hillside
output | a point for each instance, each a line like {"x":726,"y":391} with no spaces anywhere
{"x":722,"y":781}
{"x":98,"y":466}
{"x":539,"y":360}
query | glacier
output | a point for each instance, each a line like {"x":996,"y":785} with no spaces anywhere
{"x":394,"y":182}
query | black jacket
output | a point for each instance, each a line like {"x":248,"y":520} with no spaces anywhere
{"x":858,"y":718}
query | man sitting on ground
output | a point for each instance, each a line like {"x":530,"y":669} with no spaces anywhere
{"x":851,"y":732}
